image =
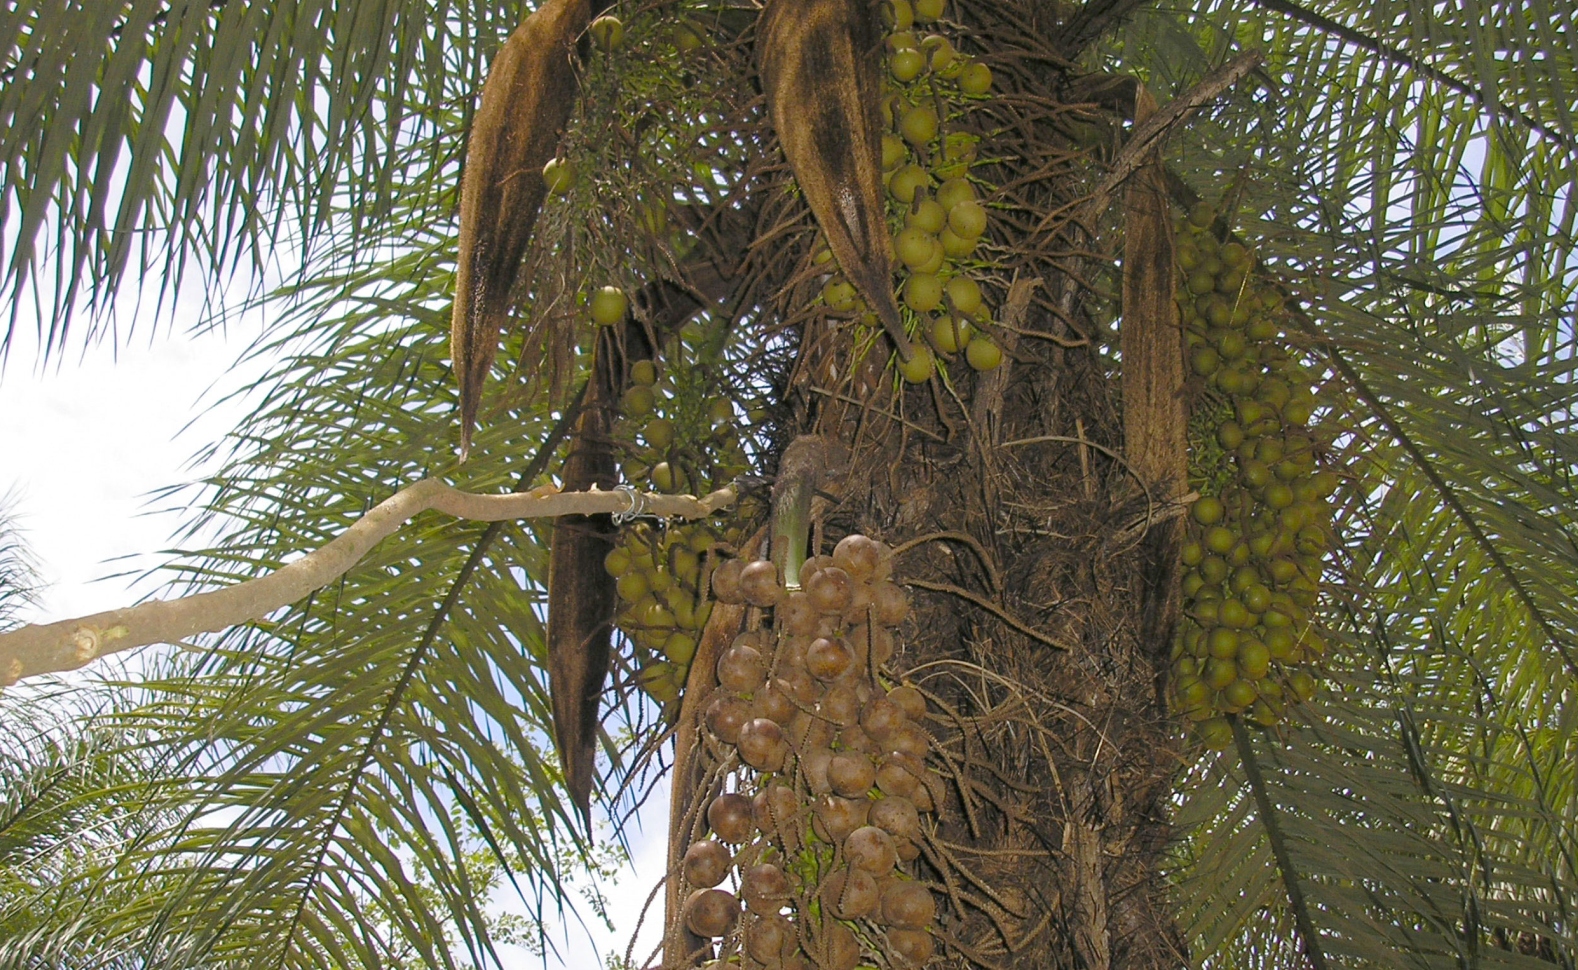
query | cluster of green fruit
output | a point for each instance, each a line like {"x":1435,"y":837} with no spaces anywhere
{"x":934,"y":211}
{"x":828,"y":802}
{"x":660,"y":573}
{"x":1258,"y":534}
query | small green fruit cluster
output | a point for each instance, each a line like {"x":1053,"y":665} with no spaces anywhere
{"x":660,"y":573}
{"x":1256,"y":539}
{"x":833,"y":787}
{"x":935,"y":213}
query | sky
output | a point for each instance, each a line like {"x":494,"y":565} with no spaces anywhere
{"x":85,"y":441}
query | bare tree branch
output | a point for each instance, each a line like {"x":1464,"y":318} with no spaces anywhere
{"x":69,"y":644}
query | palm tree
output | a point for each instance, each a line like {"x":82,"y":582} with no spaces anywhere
{"x":344,"y":783}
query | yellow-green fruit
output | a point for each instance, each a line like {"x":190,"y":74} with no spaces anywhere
{"x":943,"y":56}
{"x":893,"y":152}
{"x":1215,"y":734}
{"x":955,"y":246}
{"x":679,"y":648}
{"x":929,"y":11}
{"x":617,"y":562}
{"x":898,"y":14}
{"x":933,"y":265}
{"x":643,"y":372}
{"x":608,"y":306}
{"x":1207,"y":510}
{"x":983,"y":354}
{"x":839,"y":294}
{"x":632,"y":585}
{"x":919,"y":367}
{"x":914,"y":247}
{"x":965,"y":295}
{"x":659,"y":433}
{"x":663,"y":477}
{"x":976,"y":79}
{"x":559,"y":174}
{"x":919,"y":124}
{"x":907,"y":64}
{"x":967,"y":219}
{"x":720,"y":411}
{"x":950,"y":334}
{"x":922,"y":292}
{"x":1201,"y":216}
{"x":1238,"y":695}
{"x":608,"y":32}
{"x":908,"y":180}
{"x":902,"y":40}
{"x":955,"y":191}
{"x":639,"y":400}
{"x":661,"y":681}
{"x":928,"y":216}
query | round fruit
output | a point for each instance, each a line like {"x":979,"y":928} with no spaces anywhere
{"x":914,"y":246}
{"x":851,"y":774}
{"x":976,"y":79}
{"x":919,"y":125}
{"x":1216,"y":734}
{"x":658,"y":434}
{"x":608,"y":32}
{"x":922,"y":293}
{"x":872,"y":849}
{"x":770,"y":939}
{"x":1208,"y":510}
{"x":964,"y":293}
{"x":726,"y":714}
{"x":711,"y":912}
{"x":559,"y":175}
{"x":759,"y":583}
{"x":827,"y":659}
{"x":897,"y":15}
{"x":983,"y":354}
{"x":761,"y":744}
{"x":851,"y":894}
{"x":742,"y":668}
{"x":643,"y":371}
{"x":679,"y":648}
{"x":967,"y":219}
{"x":913,"y":948}
{"x":765,"y":888}
{"x":638,"y":400}
{"x":918,"y":369}
{"x":839,"y":294}
{"x":950,"y":334}
{"x":726,"y":582}
{"x":893,"y":152}
{"x":953,"y":192}
{"x":906,"y":181}
{"x":616,"y":562}
{"x":706,"y":863}
{"x":929,"y":11}
{"x":955,"y":246}
{"x":929,"y":216}
{"x":907,"y":64}
{"x":729,"y":817}
{"x":897,"y":817}
{"x":687,"y":40}
{"x":908,"y":905}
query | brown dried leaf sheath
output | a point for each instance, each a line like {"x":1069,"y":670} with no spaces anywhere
{"x":1155,"y":412}
{"x":526,"y":102}
{"x":820,"y":67}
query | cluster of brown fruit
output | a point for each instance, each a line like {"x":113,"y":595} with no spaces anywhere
{"x":1258,"y":535}
{"x":817,"y":829}
{"x":934,"y":210}
{"x":660,"y":572}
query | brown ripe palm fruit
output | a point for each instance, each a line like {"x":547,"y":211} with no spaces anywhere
{"x":761,"y":744}
{"x":796,"y":615}
{"x":851,"y":774}
{"x":827,"y":659}
{"x":726,"y":715}
{"x":850,"y":894}
{"x":909,"y":699}
{"x":729,"y":817}
{"x":899,"y":775}
{"x":830,"y":589}
{"x":913,"y":948}
{"x":764,"y":888}
{"x":769,"y":939}
{"x":726,"y":582}
{"x":711,"y":912}
{"x":776,"y":810}
{"x":872,"y":849}
{"x":759,"y":583}
{"x":840,"y":705}
{"x":834,"y":817}
{"x":858,"y":556}
{"x":881,"y":718}
{"x":892,"y":603}
{"x":706,"y":863}
{"x":742,"y":668}
{"x":897,"y":817}
{"x":836,"y":947}
{"x":773,"y":703}
{"x":908,"y":905}
{"x":814,"y":765}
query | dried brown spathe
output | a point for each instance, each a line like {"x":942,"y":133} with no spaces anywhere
{"x":526,"y":103}
{"x":821,"y":69}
